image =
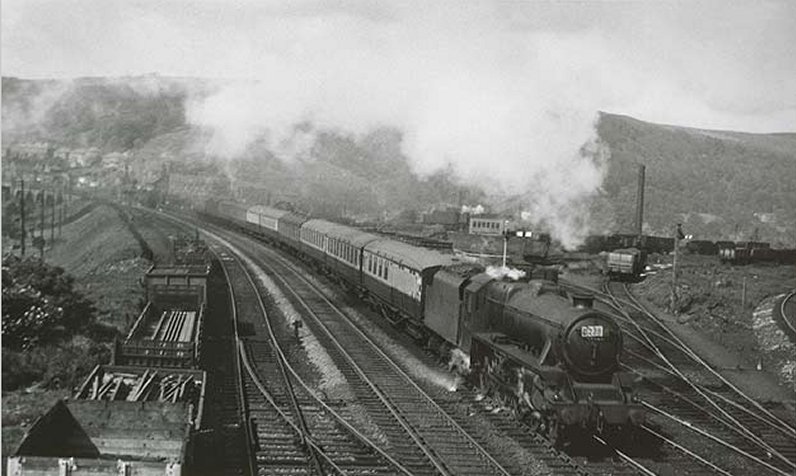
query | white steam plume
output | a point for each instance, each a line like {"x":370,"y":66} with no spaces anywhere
{"x":510,"y":110}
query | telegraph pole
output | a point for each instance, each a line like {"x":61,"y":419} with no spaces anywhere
{"x":505,"y":241}
{"x":22,"y":213}
{"x":60,"y":213}
{"x":678,"y":235}
{"x":52,"y":220}
{"x":42,"y":205}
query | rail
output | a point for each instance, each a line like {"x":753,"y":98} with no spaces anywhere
{"x":729,"y":420}
{"x":301,"y":430}
{"x":251,"y":466}
{"x":397,"y":369}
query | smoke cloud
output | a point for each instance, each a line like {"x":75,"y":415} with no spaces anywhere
{"x":509,"y":111}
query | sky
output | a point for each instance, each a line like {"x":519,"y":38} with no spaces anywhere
{"x":507,"y":92}
{"x":719,"y":64}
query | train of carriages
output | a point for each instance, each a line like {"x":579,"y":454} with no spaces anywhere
{"x":550,"y":355}
{"x":141,"y":413}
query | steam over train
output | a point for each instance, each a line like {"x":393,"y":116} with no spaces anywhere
{"x":549,"y":355}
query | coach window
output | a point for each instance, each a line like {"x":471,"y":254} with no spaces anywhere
{"x":386,"y":269}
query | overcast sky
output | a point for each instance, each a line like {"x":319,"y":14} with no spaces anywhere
{"x":724,"y":64}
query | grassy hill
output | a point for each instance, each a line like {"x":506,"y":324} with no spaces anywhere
{"x":719,"y":184}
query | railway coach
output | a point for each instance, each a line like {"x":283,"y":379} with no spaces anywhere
{"x":398,"y":274}
{"x":336,"y":247}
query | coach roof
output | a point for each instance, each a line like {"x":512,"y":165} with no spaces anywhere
{"x":412,"y":256}
{"x":267,"y":211}
{"x":354,"y":236}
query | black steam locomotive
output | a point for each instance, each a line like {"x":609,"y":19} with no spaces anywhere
{"x":547,"y":354}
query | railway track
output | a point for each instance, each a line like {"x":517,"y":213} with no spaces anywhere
{"x":228,"y":450}
{"x":785,"y":315}
{"x":540,"y":457}
{"x":690,"y":399}
{"x":411,"y":423}
{"x":419,"y":432}
{"x":292,"y":430}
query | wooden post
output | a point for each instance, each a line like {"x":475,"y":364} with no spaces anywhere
{"x":674,"y":296}
{"x":22,"y":214}
{"x":505,"y":245}
{"x":743,"y":294}
{"x":41,"y":214}
{"x":52,"y":221}
{"x":61,"y":215}
{"x":42,"y":205}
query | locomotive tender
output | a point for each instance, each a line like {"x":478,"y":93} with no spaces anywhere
{"x":552,"y":357}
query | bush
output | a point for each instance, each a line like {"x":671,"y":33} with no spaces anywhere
{"x":55,"y":367}
{"x":40,"y":304}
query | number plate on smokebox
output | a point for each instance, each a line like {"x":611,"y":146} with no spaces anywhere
{"x":591,"y":332}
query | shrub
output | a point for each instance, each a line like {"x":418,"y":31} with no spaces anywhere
{"x":63,"y":366}
{"x":40,"y":304}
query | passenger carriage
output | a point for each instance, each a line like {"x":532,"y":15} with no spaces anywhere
{"x":313,"y":239}
{"x":344,"y":251}
{"x":289,"y":229}
{"x":265,"y":220}
{"x":396,"y":273}
{"x":235,"y":213}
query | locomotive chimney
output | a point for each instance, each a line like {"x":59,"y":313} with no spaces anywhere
{"x":582,"y":301}
{"x":640,"y":202}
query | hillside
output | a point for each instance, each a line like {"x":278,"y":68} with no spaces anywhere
{"x":719,"y":184}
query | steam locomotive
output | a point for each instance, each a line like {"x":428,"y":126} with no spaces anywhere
{"x":550,"y":356}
